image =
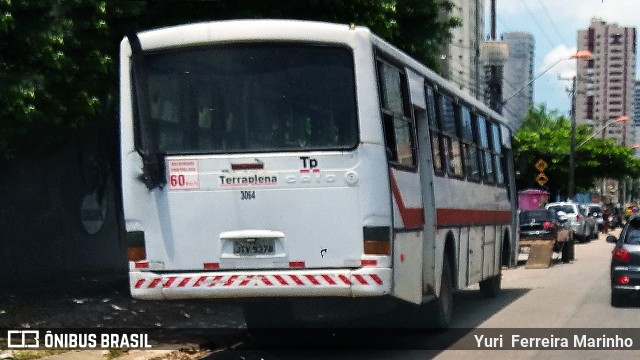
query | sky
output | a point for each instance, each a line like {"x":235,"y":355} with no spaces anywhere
{"x":554,"y":25}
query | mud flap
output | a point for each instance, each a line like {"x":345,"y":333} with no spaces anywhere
{"x":540,"y":254}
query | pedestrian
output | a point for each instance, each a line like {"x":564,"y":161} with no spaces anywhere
{"x":606,"y":216}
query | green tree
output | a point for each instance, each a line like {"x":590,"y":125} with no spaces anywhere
{"x":58,"y":67}
{"x":546,"y":135}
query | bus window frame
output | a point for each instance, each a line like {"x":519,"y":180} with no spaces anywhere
{"x":431,"y":94}
{"x":450,"y":141}
{"x":390,"y":117}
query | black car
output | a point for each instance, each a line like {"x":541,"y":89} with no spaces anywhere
{"x":625,"y":263}
{"x":541,"y":225}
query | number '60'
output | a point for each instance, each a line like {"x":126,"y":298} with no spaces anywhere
{"x":177,"y":180}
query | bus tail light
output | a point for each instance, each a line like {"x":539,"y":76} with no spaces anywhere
{"x":377,"y":240}
{"x":136,"y":250}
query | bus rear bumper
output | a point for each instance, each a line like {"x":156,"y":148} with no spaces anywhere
{"x":362,"y":282}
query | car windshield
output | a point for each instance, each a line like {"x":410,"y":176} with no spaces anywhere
{"x":595,"y":209}
{"x":536,"y":215}
{"x":566,"y":208}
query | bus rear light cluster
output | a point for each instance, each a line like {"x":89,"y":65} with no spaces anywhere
{"x":377,"y":240}
{"x":136,"y":250}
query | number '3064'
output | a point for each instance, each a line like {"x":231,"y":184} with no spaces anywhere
{"x":247,"y":195}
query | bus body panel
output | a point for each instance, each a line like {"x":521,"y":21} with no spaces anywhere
{"x":365,"y":282}
{"x":313,"y":220}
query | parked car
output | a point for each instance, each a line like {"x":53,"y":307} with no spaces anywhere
{"x":625,"y":262}
{"x":577,"y":219}
{"x":595,"y":211}
{"x":540,"y":225}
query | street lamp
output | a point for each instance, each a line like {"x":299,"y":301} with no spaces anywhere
{"x":572,"y":151}
{"x":583,"y":54}
{"x":572,"y":141}
{"x":621,"y":118}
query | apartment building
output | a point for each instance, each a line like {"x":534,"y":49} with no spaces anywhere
{"x":604,"y":86}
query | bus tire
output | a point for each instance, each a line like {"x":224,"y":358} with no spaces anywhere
{"x":490,"y":287}
{"x":441,"y":309}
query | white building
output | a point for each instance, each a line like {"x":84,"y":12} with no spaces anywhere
{"x":517,"y":72}
{"x":462,"y":58}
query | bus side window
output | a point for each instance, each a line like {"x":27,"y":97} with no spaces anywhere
{"x":496,"y":150}
{"x":434,"y":130}
{"x":469,"y":148}
{"x":451,"y":144}
{"x":396,"y":114}
{"x":485,"y":156}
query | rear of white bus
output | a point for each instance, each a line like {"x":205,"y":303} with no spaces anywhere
{"x":247,"y":171}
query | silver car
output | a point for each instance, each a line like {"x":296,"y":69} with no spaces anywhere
{"x":583,"y":229}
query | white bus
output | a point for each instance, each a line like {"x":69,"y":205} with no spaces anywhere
{"x":286,"y":162}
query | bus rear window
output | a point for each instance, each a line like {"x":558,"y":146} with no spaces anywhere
{"x":252,"y":98}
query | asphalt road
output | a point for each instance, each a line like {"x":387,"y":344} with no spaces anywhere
{"x":562,"y":301}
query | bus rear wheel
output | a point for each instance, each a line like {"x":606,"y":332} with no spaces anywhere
{"x":441,"y":309}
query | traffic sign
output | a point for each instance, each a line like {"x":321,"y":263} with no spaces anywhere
{"x":541,"y":165}
{"x":542,"y":179}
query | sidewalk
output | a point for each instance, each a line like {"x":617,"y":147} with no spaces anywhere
{"x":179,"y":352}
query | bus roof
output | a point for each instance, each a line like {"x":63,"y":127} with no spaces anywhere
{"x":294,"y":30}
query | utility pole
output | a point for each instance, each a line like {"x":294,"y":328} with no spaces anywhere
{"x":572,"y":143}
{"x":495,"y":86}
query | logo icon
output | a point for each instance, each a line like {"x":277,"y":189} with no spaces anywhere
{"x":23,"y":339}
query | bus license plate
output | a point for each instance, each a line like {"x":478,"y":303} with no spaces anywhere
{"x":249,"y":247}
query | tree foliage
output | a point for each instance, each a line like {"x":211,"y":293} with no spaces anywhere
{"x":546,"y":135}
{"x":58,"y":67}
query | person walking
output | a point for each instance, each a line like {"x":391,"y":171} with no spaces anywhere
{"x":606,"y":216}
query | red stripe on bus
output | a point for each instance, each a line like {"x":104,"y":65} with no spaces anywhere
{"x":200,"y":280}
{"x":411,"y":217}
{"x":281,"y":280}
{"x":230,"y":281}
{"x":154,"y":283}
{"x":449,"y":217}
{"x":169,"y":282}
{"x":139,"y":283}
{"x":328,"y":279}
{"x":296,"y":279}
{"x":184,"y":282}
{"x":312,"y":279}
{"x":360,"y":279}
{"x":377,"y":279}
{"x":266,"y":281}
{"x":345,"y":279}
{"x":246,"y":280}
{"x":215,"y":280}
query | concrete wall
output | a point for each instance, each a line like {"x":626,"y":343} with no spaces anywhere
{"x":43,"y":237}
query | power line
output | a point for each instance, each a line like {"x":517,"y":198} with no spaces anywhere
{"x":553,"y":23}
{"x":535,"y":20}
